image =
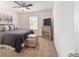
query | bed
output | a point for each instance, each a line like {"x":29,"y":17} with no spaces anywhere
{"x":14,"y":38}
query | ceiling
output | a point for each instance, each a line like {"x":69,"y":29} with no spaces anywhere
{"x":37,"y":6}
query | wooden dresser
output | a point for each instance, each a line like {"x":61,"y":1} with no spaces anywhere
{"x":47,"y":32}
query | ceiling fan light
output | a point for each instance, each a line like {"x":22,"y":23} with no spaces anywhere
{"x":23,"y":9}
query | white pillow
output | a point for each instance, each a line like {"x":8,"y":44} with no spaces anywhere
{"x":6,"y":27}
{"x":1,"y":28}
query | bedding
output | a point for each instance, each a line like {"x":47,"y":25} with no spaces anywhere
{"x":14,"y":38}
{"x":11,"y":27}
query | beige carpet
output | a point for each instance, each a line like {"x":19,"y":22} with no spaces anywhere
{"x":45,"y":48}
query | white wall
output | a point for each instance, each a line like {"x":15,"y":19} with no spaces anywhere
{"x":24,"y":19}
{"x":63,"y":14}
{"x":6,"y":9}
{"x":76,"y":26}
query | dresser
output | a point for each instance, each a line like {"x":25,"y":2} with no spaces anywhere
{"x":47,"y":32}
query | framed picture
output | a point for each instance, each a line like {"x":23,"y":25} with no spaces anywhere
{"x":6,"y":19}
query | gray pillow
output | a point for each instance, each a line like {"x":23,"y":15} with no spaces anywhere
{"x":12,"y":27}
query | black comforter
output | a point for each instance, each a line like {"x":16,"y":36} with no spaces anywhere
{"x":14,"y":38}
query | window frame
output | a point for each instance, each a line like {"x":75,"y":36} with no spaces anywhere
{"x":30,"y":20}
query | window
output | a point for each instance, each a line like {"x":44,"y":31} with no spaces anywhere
{"x":34,"y":22}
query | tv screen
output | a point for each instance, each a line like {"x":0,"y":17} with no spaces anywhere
{"x":47,"y":22}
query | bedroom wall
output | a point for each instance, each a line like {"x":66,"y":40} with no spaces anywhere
{"x":6,"y":9}
{"x":63,"y":14}
{"x":24,"y":19}
{"x":76,"y":26}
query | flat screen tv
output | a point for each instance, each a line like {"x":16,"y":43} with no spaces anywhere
{"x":47,"y":22}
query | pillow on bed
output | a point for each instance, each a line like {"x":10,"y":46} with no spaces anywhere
{"x":1,"y":28}
{"x":6,"y":28}
{"x":12,"y":27}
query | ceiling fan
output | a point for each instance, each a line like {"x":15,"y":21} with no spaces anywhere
{"x":23,"y":5}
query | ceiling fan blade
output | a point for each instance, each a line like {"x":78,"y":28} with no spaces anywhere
{"x":17,"y":7}
{"x":28,"y":5}
{"x":28,"y":8}
{"x":18,"y":3}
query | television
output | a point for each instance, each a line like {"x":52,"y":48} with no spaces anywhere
{"x":47,"y":22}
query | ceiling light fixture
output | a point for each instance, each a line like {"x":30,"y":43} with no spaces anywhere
{"x":23,"y":9}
